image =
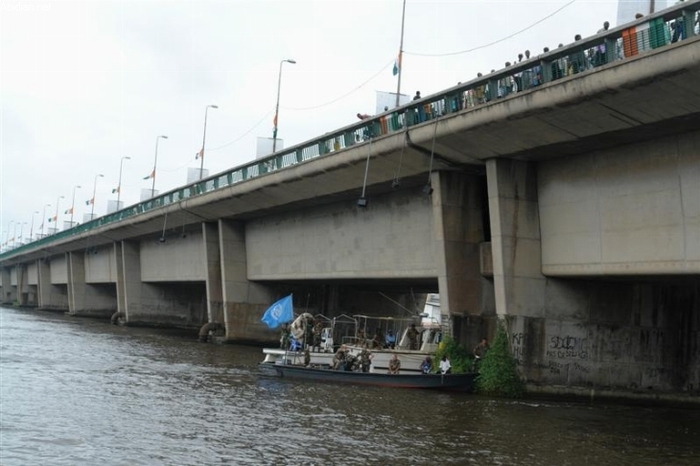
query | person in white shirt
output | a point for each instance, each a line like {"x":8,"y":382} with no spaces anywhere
{"x":445,"y":366}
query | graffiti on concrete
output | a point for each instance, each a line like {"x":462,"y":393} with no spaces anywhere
{"x":567,"y":347}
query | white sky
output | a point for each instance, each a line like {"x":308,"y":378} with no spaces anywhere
{"x":84,"y":83}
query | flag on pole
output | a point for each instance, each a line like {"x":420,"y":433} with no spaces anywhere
{"x":397,"y":65}
{"x":116,"y":190}
{"x":279,"y":313}
{"x":69,"y":211}
{"x":90,"y":201}
{"x":199,"y":154}
{"x":53,"y":219}
{"x":152,"y":175}
{"x":274,"y":121}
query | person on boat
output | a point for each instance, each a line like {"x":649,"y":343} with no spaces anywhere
{"x":445,"y":366}
{"x":307,"y":357}
{"x":390,"y":340}
{"x":318,"y":328}
{"x":365,"y":359}
{"x":412,"y":334}
{"x":480,"y":351}
{"x":340,"y":358}
{"x":481,"y":348}
{"x":284,"y":337}
{"x":294,"y":344}
{"x":427,"y":365}
{"x":394,"y":364}
{"x":361,"y":338}
{"x":378,"y":339}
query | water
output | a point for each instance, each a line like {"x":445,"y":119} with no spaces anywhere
{"x":82,"y":392}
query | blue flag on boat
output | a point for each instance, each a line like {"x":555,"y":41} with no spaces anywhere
{"x":279,"y":313}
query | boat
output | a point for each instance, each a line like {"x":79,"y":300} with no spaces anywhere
{"x":429,"y":335}
{"x":359,"y":331}
{"x":321,"y":355}
{"x":453,"y":382}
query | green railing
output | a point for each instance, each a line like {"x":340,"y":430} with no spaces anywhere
{"x":651,"y":32}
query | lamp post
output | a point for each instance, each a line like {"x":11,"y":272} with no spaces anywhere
{"x":72,"y":206}
{"x":14,"y":236}
{"x":277,"y":107}
{"x":31,"y":228}
{"x":94,"y":190}
{"x":7,"y":237}
{"x":43,"y":219}
{"x":55,"y":218}
{"x":155,"y":164}
{"x":119,"y":186}
{"x":204,"y":140}
{"x":21,"y":232}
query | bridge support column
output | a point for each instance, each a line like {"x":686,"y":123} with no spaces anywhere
{"x":212,"y":252}
{"x":243,"y":301}
{"x":85,"y":299}
{"x":135,"y":295}
{"x":8,"y":295}
{"x":519,"y":285}
{"x":22,"y":286}
{"x":458,"y":231}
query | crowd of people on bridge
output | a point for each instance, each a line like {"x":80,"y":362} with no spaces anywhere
{"x":632,"y":41}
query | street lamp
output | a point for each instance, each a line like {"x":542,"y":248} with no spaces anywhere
{"x":204,"y":140}
{"x":14,"y":236}
{"x":94,"y":190}
{"x":55,"y":218}
{"x":72,"y":206}
{"x":31,"y":228}
{"x":43,"y":219}
{"x":119,"y":186}
{"x":21,"y":232}
{"x":277,"y":107}
{"x":7,"y":237}
{"x":155,"y":164}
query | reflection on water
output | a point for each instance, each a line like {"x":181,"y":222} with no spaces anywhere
{"x":83,"y":392}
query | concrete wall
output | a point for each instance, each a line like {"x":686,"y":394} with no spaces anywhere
{"x":633,"y":336}
{"x":32,"y":274}
{"x":391,"y":238}
{"x":633,"y":210}
{"x":100,"y":266}
{"x":181,"y":258}
{"x":623,"y":335}
{"x":59,"y":270}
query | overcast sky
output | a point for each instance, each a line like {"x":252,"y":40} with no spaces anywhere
{"x":83,"y":84}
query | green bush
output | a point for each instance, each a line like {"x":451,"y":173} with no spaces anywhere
{"x":459,"y":357}
{"x":498,"y":375}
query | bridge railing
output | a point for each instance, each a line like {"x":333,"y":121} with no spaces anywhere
{"x":648,"y":33}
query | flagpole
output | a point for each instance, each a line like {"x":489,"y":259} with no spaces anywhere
{"x":72,"y":206}
{"x":204,"y":140}
{"x":94,"y":190}
{"x":155,"y":163}
{"x":31,"y":229}
{"x":119,"y":186}
{"x":43,"y":219}
{"x":55,"y":219}
{"x":398,"y":87}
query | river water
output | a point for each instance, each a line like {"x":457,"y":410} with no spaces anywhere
{"x":79,"y":391}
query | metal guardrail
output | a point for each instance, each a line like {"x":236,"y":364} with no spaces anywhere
{"x":648,"y":33}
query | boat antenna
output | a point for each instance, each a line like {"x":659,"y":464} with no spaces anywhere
{"x":408,"y":311}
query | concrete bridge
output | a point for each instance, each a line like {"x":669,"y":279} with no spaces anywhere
{"x":567,"y":206}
